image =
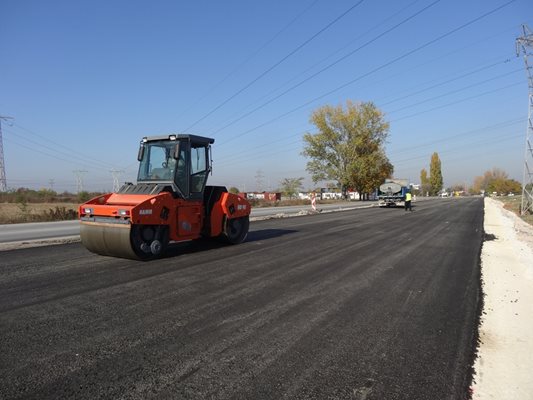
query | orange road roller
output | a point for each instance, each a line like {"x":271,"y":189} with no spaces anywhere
{"x":169,"y":203}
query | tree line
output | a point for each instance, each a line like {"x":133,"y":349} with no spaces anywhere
{"x":25,"y":195}
{"x":496,"y":181}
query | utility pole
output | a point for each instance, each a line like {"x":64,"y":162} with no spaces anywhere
{"x":524,"y":45}
{"x":3,"y":181}
{"x":79,"y":179}
{"x":51,"y":183}
{"x":259,"y":180}
{"x":116,"y":173}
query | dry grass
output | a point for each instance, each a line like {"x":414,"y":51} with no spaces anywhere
{"x":513,"y":204}
{"x":12,"y":213}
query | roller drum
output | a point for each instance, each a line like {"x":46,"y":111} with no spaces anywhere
{"x":108,"y":239}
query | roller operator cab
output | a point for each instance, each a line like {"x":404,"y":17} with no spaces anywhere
{"x":169,"y":203}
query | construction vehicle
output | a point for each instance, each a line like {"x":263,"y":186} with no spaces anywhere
{"x":392,"y":193}
{"x":169,"y":203}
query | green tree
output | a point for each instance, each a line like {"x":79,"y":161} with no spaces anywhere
{"x":511,"y":186}
{"x":348,"y":147}
{"x":424,"y":182}
{"x":291,"y":186}
{"x":435,"y":175}
{"x":371,"y":171}
{"x":234,"y":190}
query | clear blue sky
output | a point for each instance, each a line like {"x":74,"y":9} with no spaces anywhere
{"x":86,"y":80}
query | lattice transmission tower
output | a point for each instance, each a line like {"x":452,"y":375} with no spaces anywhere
{"x":3,"y":180}
{"x":524,"y":45}
{"x":116,"y":173}
{"x":79,"y":179}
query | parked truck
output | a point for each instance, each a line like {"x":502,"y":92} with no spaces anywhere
{"x":392,"y":192}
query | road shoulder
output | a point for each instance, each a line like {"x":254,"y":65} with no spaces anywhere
{"x":504,"y":364}
{"x":26,"y":244}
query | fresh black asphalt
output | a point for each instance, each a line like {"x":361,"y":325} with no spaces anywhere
{"x":363,"y":304}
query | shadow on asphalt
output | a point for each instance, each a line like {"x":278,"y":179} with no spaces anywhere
{"x":195,"y":246}
{"x":265,"y":234}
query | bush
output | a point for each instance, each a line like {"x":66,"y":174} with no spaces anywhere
{"x":60,"y":214}
{"x":83,"y":196}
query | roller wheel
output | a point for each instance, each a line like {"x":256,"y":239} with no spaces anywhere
{"x":147,"y":242}
{"x":236,"y":230}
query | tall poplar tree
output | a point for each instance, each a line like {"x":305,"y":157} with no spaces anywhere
{"x":435,"y":175}
{"x":424,"y":182}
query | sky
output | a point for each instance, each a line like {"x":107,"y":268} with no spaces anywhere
{"x":84,"y":81}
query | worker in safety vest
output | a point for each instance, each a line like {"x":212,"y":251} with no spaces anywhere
{"x":408,"y":201}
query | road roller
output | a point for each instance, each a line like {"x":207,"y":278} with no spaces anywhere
{"x":169,"y":203}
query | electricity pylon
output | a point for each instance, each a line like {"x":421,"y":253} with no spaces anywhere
{"x":524,"y":45}
{"x":3,"y":180}
{"x":79,"y":179}
{"x":116,"y":173}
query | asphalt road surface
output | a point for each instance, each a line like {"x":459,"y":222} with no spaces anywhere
{"x":362,"y":304}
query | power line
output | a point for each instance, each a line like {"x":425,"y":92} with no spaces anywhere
{"x":452,"y":150}
{"x":376,"y":69}
{"x":251,"y":57}
{"x":442,"y":56}
{"x":481,"y":130}
{"x":267,"y":153}
{"x":457,"y":101}
{"x":447,"y":56}
{"x":79,"y":159}
{"x":302,"y":73}
{"x":69,"y":150}
{"x":268,"y":70}
{"x":270,"y":152}
{"x":322,"y":70}
{"x":441,"y":83}
{"x":251,"y":156}
{"x":462,"y":89}
{"x":49,"y":155}
{"x":448,"y":93}
{"x":259,"y":155}
{"x":438,"y":84}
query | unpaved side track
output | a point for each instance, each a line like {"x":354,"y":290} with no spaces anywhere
{"x":363,"y":304}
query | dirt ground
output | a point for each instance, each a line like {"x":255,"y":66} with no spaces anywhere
{"x":504,"y":363}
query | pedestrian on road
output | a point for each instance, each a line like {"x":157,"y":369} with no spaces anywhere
{"x":408,"y":201}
